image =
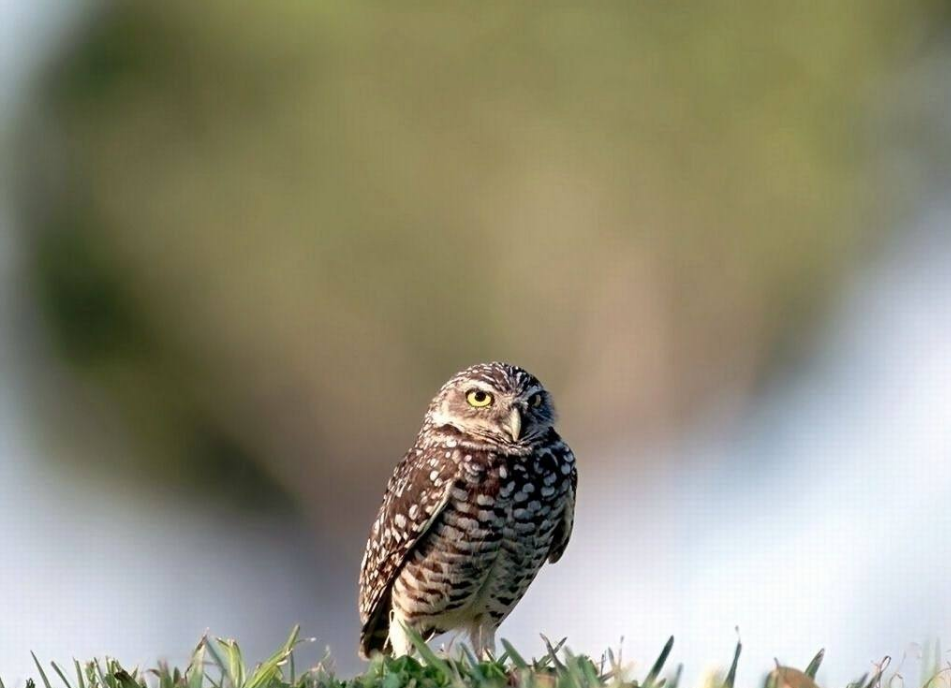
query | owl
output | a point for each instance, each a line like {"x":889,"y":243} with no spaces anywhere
{"x":482,"y":500}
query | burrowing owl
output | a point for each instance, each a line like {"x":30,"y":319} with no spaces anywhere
{"x":481,"y":500}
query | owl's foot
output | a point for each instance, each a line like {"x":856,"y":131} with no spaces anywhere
{"x":482,"y":637}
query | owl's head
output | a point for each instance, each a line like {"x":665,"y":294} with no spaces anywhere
{"x":497,"y":402}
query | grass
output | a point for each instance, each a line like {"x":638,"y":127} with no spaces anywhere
{"x":219,"y":663}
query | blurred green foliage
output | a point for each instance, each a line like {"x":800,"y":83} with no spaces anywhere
{"x":283,"y":225}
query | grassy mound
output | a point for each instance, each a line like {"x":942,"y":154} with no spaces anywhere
{"x":218,"y":663}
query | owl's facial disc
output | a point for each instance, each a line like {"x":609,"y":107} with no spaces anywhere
{"x":507,"y":411}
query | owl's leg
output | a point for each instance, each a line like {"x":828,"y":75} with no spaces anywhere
{"x":482,"y":637}
{"x":399,"y":640}
{"x":488,"y":641}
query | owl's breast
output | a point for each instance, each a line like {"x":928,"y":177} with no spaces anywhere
{"x":490,"y":541}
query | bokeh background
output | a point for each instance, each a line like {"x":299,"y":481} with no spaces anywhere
{"x":243,"y":244}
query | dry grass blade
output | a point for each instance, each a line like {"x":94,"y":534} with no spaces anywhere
{"x":876,"y":679}
{"x":787,"y":677}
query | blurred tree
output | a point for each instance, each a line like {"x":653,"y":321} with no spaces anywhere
{"x":274,"y":229}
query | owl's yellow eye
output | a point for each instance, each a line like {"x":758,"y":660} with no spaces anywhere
{"x":536,"y":401}
{"x":479,"y":398}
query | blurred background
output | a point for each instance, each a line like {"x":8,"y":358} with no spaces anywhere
{"x":242,"y":245}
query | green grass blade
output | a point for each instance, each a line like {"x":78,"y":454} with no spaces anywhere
{"x":103,"y":681}
{"x":590,"y":672}
{"x":124,"y":678}
{"x":1,"y":683}
{"x":271,"y":669}
{"x":218,"y":659}
{"x":675,"y":681}
{"x":168,"y":677}
{"x":235,"y":665}
{"x":195,"y":673}
{"x":428,"y":655}
{"x":61,"y":674}
{"x":813,"y":667}
{"x":574,"y":678}
{"x":474,"y":665}
{"x":43,"y":676}
{"x":90,"y":672}
{"x":79,"y":674}
{"x":553,"y":653}
{"x":651,"y":680}
{"x":516,"y":658}
{"x":731,"y":675}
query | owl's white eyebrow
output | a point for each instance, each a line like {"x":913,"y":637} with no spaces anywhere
{"x":483,"y":386}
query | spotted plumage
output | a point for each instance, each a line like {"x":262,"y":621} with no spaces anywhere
{"x":479,"y":503}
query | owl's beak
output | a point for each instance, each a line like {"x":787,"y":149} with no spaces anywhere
{"x":514,"y":424}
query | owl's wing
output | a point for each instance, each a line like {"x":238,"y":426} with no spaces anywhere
{"x":415,"y":496}
{"x":563,"y":529}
